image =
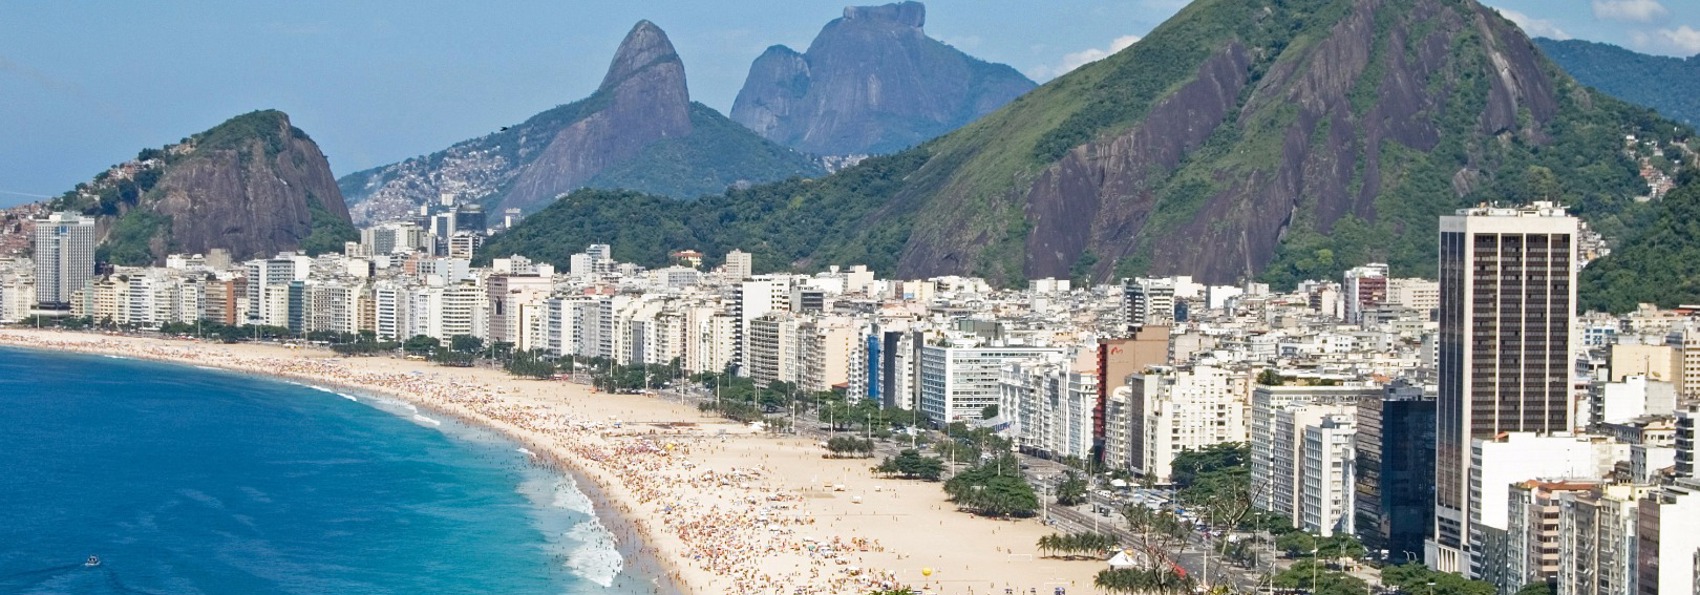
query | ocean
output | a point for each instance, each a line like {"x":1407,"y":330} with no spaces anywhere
{"x":188,"y":481}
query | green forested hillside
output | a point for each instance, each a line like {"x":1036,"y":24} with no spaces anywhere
{"x":798,"y":223}
{"x":1660,"y":265}
{"x":1669,"y":85}
{"x":718,"y":153}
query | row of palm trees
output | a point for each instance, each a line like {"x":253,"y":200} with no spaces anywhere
{"x":1084,"y":544}
{"x":1157,"y":580}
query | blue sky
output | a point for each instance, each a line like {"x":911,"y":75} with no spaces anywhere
{"x":86,"y":84}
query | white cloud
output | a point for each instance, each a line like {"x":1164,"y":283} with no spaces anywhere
{"x":1533,"y":26}
{"x":1075,"y":60}
{"x":1684,"y":40}
{"x":1639,"y":11}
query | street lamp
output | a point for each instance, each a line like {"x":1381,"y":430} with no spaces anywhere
{"x":1315,"y":560}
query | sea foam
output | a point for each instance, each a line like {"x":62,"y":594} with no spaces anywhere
{"x":597,"y":556}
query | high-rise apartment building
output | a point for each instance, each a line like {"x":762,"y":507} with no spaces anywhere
{"x":1278,"y":418}
{"x":1364,"y":287}
{"x":1507,"y":306}
{"x":956,"y":383}
{"x":738,"y":265}
{"x":1147,"y":301}
{"x":1186,"y":408}
{"x":1533,"y":548}
{"x":1325,"y":506}
{"x":64,"y":258}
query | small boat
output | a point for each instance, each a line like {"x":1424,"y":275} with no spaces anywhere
{"x":92,"y":562}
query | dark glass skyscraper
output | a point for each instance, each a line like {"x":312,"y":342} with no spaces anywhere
{"x":1395,"y":480}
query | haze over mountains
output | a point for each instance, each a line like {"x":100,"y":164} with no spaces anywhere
{"x":872,"y":82}
{"x":1240,"y":139}
{"x":638,"y":130}
{"x":1669,"y":85}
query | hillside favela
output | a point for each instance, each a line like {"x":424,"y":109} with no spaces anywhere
{"x":1318,"y":297}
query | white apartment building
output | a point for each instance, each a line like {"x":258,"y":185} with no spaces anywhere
{"x":1515,"y":457}
{"x":1049,"y":404}
{"x":957,"y":383}
{"x":1278,"y":417}
{"x":1326,"y":504}
{"x":1597,"y":540}
{"x":1187,"y":409}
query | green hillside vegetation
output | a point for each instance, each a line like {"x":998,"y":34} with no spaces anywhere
{"x":959,"y":203}
{"x":797,"y":223}
{"x":329,"y":231}
{"x":1669,"y":85}
{"x":1660,"y":266}
{"x":717,"y":154}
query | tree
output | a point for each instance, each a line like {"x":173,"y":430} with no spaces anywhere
{"x":910,"y":464}
{"x":1071,"y":490}
{"x":530,"y":364}
{"x":989,"y":411}
{"x":1163,"y":579}
{"x":1295,"y":543}
{"x":420,"y":344}
{"x":1193,"y":465}
{"x":1311,"y":576}
{"x":466,"y":344}
{"x":993,"y":488}
{"x":845,"y":445}
{"x":1088,"y":544}
{"x":1415,"y":578}
{"x":1540,"y":588}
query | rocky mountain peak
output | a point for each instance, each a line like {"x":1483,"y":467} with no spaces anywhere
{"x":646,"y":47}
{"x":870,"y":82}
{"x":254,"y":185}
{"x":638,"y":131}
{"x":911,"y":14}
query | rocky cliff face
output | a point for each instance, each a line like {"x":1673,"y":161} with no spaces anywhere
{"x":254,"y":185}
{"x":638,"y":130}
{"x":646,"y":101}
{"x":253,"y":197}
{"x":871,"y":82}
{"x":1242,"y":140}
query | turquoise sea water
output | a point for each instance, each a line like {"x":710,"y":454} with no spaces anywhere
{"x":189,"y":481}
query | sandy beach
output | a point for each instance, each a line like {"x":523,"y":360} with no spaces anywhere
{"x":722,"y":508}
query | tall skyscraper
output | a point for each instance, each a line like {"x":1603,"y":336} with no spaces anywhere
{"x":1507,"y":305}
{"x":64,"y":258}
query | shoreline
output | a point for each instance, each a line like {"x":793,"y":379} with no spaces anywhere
{"x":711,"y":504}
{"x":636,"y":556}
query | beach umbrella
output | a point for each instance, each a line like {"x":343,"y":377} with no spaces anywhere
{"x":928,"y":571}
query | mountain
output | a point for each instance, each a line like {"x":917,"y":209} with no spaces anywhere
{"x":1241,"y":139}
{"x":1669,"y":85}
{"x":254,"y":185}
{"x":639,"y":130}
{"x":872,"y":82}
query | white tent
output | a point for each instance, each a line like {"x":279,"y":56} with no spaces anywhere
{"x":1122,"y":560}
